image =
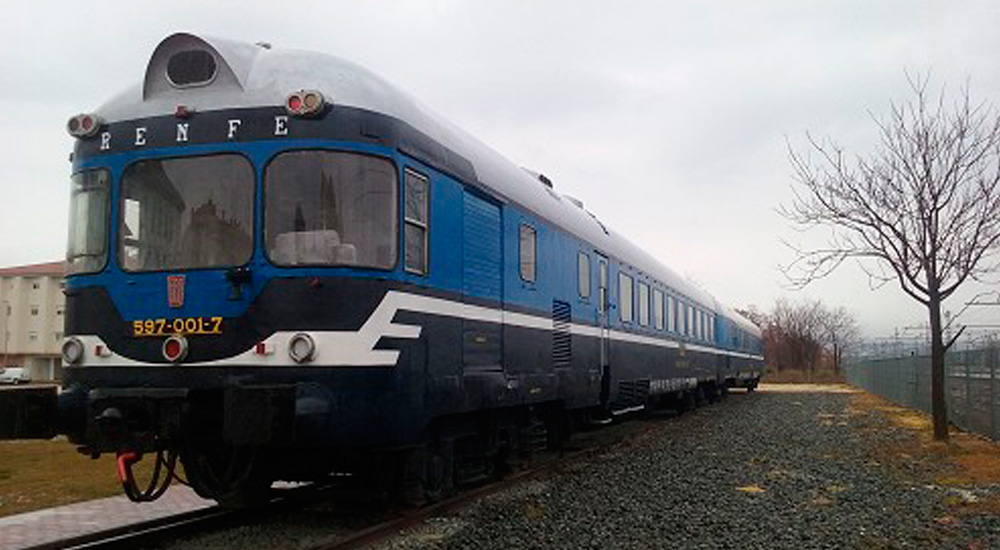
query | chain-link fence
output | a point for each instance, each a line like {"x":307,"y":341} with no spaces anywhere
{"x":972,"y":380}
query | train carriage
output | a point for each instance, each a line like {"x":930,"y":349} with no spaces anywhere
{"x":279,"y":264}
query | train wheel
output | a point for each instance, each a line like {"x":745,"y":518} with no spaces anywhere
{"x":699,"y":395}
{"x":235,"y":477}
{"x":439,"y":481}
{"x":712,"y":393}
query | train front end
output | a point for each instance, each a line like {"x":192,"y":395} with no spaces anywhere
{"x":228,"y":258}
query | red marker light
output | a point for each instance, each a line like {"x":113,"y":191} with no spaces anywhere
{"x":172,"y":349}
{"x":304,"y":103}
{"x":82,"y":126}
{"x":175,"y":348}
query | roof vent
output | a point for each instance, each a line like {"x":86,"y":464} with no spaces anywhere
{"x":576,"y":202}
{"x":188,"y":68}
{"x":538,"y":176}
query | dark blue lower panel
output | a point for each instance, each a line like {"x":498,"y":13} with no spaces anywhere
{"x":454,"y":367}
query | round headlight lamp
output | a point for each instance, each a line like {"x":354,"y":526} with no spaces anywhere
{"x":301,"y":348}
{"x":72,"y":350}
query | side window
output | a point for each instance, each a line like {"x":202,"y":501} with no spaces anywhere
{"x":527,"y":253}
{"x":625,"y":297}
{"x":415,"y":220}
{"x":658,"y":309}
{"x":671,"y":314}
{"x":583,"y":274}
{"x":687,"y":319}
{"x":711,"y":327}
{"x":643,"y":304}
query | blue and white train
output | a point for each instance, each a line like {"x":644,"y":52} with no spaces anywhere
{"x":280,"y":265}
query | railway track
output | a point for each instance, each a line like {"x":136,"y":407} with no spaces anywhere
{"x":162,"y":532}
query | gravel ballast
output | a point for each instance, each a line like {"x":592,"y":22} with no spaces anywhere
{"x":764,"y":470}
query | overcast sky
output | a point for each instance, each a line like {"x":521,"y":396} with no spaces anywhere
{"x":668,"y":119}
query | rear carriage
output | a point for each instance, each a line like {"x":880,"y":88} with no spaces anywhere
{"x":279,"y":264}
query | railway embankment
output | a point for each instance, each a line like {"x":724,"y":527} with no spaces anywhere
{"x":791,"y":466}
{"x":794,"y":466}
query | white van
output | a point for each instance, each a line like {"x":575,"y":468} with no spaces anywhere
{"x":14,"y":375}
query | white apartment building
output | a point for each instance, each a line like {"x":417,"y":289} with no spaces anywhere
{"x":31,"y":318}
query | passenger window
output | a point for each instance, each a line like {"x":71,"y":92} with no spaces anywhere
{"x":528,"y":238}
{"x":643,"y":304}
{"x":625,"y":297}
{"x":415,"y":220}
{"x":671,"y":314}
{"x":583,"y":274}
{"x":320,"y":208}
{"x":658,"y":309}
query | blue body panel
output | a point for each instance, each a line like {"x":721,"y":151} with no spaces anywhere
{"x":481,"y":252}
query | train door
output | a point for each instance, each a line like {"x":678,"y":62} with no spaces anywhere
{"x":603,"y":326}
{"x":482,"y":282}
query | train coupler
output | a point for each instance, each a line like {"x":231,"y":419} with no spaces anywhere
{"x":163,"y":474}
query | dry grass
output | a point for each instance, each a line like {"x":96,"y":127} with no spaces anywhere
{"x":789,"y":387}
{"x":803,"y":377}
{"x":42,"y":474}
{"x":965,"y":460}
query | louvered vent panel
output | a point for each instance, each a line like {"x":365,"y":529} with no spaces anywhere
{"x":633,"y":392}
{"x":561,"y":339}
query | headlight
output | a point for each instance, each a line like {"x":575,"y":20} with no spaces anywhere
{"x":301,"y":348}
{"x":72,"y":350}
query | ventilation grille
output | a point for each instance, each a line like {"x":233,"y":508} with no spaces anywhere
{"x":191,"y":68}
{"x":633,"y":392}
{"x":561,"y":339}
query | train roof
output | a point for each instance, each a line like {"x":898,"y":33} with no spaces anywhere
{"x":257,"y":75}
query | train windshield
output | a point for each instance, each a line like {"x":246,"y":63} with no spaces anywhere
{"x":330,"y":208}
{"x":87,"y":250}
{"x":186,"y":213}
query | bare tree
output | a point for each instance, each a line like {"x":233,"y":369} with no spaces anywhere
{"x":923,"y":209}
{"x":840,"y":331}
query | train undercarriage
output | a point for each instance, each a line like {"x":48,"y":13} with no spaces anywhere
{"x":234,"y":443}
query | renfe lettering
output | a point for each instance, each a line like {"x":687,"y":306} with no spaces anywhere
{"x":183,"y":132}
{"x":281,"y":125}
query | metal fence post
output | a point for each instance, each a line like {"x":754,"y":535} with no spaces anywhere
{"x":991,"y":352}
{"x":968,"y":391}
